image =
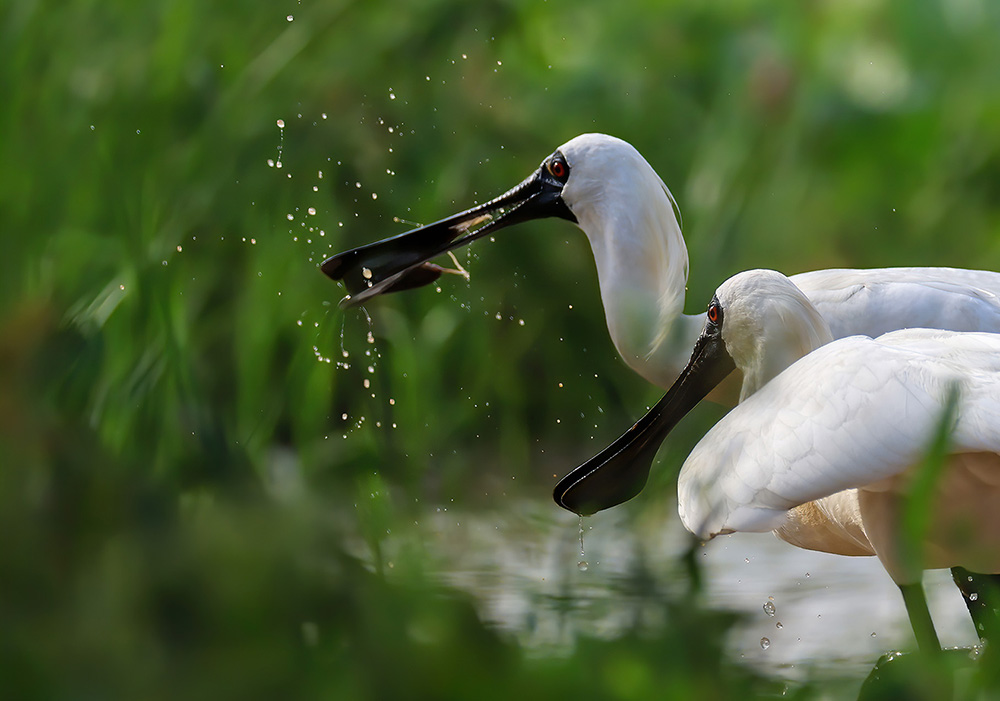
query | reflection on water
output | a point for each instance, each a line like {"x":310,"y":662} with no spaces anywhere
{"x":818,"y":613}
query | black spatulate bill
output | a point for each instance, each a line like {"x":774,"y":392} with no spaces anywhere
{"x":402,"y":262}
{"x":619,"y":472}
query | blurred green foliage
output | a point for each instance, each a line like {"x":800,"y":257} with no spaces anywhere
{"x":178,"y":483}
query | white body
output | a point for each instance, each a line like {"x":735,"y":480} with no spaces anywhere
{"x":822,"y":452}
{"x":628,"y":216}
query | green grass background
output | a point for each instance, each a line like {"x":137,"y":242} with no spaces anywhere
{"x":178,"y":483}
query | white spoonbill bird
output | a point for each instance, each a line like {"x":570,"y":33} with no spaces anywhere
{"x":609,"y":190}
{"x":824,"y":449}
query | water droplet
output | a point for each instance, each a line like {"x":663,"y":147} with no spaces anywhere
{"x":366,"y":273}
{"x":764,"y":643}
{"x":778,"y":625}
{"x":583,"y":565}
{"x":973,"y":596}
{"x":281,"y":123}
{"x":769,"y":608}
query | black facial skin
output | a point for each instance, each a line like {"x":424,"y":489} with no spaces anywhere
{"x":402,"y":262}
{"x":619,"y":472}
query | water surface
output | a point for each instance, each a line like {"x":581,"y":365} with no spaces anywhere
{"x":832,"y":615}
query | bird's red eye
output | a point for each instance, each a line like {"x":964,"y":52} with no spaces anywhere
{"x":558,"y":168}
{"x":713,"y":313}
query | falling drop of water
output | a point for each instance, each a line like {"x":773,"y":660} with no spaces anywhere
{"x":764,"y":643}
{"x":778,"y":625}
{"x":769,"y":608}
{"x":582,"y":565}
{"x":973,"y":596}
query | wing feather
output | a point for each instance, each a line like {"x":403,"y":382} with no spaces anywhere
{"x":850,"y":414}
{"x":877,"y":301}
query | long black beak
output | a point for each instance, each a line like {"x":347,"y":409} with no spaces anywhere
{"x":619,"y":472}
{"x":403,"y":262}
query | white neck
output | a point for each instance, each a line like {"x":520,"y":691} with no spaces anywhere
{"x":642,"y":267}
{"x":628,"y":215}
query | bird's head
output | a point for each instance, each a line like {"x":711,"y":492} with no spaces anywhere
{"x":591,"y":178}
{"x":768,"y":324}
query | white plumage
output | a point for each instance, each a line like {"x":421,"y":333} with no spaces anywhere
{"x":826,"y":450}
{"x":859,"y":413}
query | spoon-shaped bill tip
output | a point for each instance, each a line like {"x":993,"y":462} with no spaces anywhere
{"x":620,"y":471}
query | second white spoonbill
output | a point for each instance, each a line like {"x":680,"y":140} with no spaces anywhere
{"x":824,"y":453}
